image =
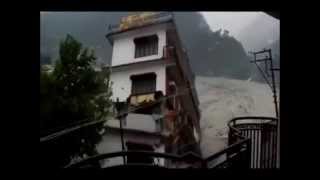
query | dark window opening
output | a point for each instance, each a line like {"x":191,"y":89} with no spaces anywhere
{"x":137,"y":158}
{"x":170,"y":105}
{"x":146,"y":46}
{"x":142,"y":84}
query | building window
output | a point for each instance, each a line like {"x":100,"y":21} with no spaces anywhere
{"x":139,"y":147}
{"x":146,"y":46}
{"x":143,"y":84}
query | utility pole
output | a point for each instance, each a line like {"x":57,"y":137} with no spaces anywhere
{"x":274,"y":84}
{"x":268,"y":60}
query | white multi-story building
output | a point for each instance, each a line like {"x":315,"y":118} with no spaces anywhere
{"x":153,"y":82}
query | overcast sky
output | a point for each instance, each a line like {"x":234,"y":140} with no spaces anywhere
{"x":246,"y":27}
{"x":232,"y":21}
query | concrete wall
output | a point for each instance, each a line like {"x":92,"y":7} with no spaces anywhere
{"x":121,"y":87}
{"x":143,"y":122}
{"x":124,"y":47}
{"x":111,"y":142}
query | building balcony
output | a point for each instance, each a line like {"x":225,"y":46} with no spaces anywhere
{"x":150,"y":123}
{"x":150,"y":99}
{"x":140,"y":99}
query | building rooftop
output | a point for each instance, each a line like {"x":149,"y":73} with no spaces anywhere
{"x":139,"y":20}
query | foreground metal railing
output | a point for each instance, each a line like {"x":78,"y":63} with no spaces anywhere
{"x":236,"y":156}
{"x":262,"y":131}
{"x":91,"y":162}
{"x":243,"y":152}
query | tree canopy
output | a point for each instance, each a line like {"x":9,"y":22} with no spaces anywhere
{"x":74,"y":92}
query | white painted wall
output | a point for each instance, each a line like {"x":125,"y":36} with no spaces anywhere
{"x":124,"y":47}
{"x":143,"y":122}
{"x":121,"y":87}
{"x":111,"y":142}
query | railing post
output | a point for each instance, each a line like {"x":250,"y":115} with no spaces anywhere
{"x":248,"y":155}
{"x":204,"y":164}
{"x":258,"y":153}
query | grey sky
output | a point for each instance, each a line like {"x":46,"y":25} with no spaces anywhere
{"x":255,"y":30}
{"x":250,"y":28}
{"x":232,"y":21}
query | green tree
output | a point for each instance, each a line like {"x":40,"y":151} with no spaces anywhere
{"x":73,"y":93}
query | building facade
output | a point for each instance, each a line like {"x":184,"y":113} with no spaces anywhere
{"x":153,"y":89}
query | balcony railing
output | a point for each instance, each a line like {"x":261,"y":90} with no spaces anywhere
{"x":262,"y":131}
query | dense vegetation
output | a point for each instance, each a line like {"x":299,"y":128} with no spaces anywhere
{"x":73,"y":93}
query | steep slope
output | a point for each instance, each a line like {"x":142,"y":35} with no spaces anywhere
{"x":212,"y":53}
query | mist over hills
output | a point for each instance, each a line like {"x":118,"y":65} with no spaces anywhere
{"x":211,"y":53}
{"x":263,"y":31}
